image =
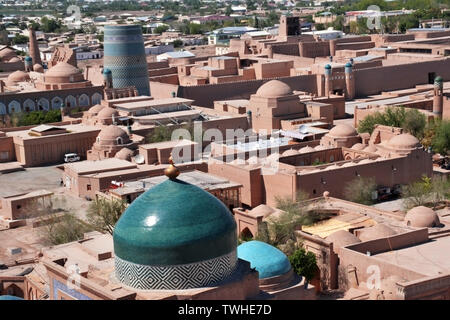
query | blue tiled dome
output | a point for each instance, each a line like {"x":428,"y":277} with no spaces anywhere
{"x":266,"y":259}
{"x":106,"y":71}
{"x":174,"y":223}
{"x":348,"y":65}
{"x":6,"y":297}
{"x":327,"y":66}
{"x":28,"y":58}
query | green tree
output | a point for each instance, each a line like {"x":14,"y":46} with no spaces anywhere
{"x":161,"y":29}
{"x":414,"y":122}
{"x":63,"y":228}
{"x":279,"y":230}
{"x":304,"y":263}
{"x":103,"y":214}
{"x":427,"y":191}
{"x":441,"y":140}
{"x":360,"y":190}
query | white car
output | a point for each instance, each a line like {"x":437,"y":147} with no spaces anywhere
{"x":71,"y":157}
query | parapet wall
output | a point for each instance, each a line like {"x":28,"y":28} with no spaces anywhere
{"x":375,"y":80}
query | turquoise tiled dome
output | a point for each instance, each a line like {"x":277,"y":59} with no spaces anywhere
{"x":266,"y":259}
{"x":174,"y":223}
{"x":7,"y":297}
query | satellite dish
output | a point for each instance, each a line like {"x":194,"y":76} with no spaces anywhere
{"x":303,"y":129}
{"x":139,"y":159}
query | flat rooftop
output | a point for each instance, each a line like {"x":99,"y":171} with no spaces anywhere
{"x":166,"y":115}
{"x":90,"y":166}
{"x":431,"y":258}
{"x":71,"y":129}
{"x":260,"y":144}
{"x":146,"y":104}
{"x":167,"y":144}
{"x":200,"y":179}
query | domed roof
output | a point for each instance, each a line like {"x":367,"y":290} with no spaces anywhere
{"x":110,"y":134}
{"x":174,"y":223}
{"x":38,"y":68}
{"x":124,"y":154}
{"x":319,"y":147}
{"x":14,"y":59}
{"x":106,"y":71}
{"x":28,"y":58}
{"x":18,"y":76}
{"x":404,"y":141}
{"x":306,"y":149}
{"x":8,"y":297}
{"x":266,"y":259}
{"x":376,"y":232}
{"x":438,"y":79}
{"x":63,"y":72}
{"x":7,"y":53}
{"x":370,"y":148}
{"x":262,"y":210}
{"x":327,"y":66}
{"x":107,"y":113}
{"x":341,"y":239}
{"x":343,"y":130}
{"x":95,"y":109}
{"x":422,"y":217}
{"x":358,"y":146}
{"x":348,"y":65}
{"x":290,"y":152}
{"x":273,"y":89}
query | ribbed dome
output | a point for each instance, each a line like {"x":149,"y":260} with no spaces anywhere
{"x":18,"y":76}
{"x":404,"y":141}
{"x":63,"y":72}
{"x":124,"y":154}
{"x":343,"y":130}
{"x":376,"y":232}
{"x":266,"y":259}
{"x":422,"y":217}
{"x":341,"y":239}
{"x":274,"y":89}
{"x":175,"y":236}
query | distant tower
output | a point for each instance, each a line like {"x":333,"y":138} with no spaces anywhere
{"x":28,"y":64}
{"x":34,"y":48}
{"x":349,"y":81}
{"x":333,"y":47}
{"x":125,"y":57}
{"x":438,"y":98}
{"x":107,"y":78}
{"x":328,"y":82}
{"x":289,"y":26}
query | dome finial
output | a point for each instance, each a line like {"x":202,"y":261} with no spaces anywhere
{"x":171,"y":171}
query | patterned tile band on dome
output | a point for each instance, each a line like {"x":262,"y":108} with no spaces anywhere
{"x":176,"y":277}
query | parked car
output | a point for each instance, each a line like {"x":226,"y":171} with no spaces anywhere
{"x":71,"y":157}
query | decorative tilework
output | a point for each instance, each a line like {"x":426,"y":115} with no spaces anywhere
{"x":176,"y":277}
{"x":57,"y":285}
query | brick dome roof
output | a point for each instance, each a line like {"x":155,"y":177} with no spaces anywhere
{"x":274,"y":89}
{"x":422,"y":217}
{"x":110,"y":136}
{"x":63,"y":72}
{"x":107,"y":113}
{"x":124,"y":154}
{"x":404,"y":141}
{"x":17,"y":76}
{"x":341,"y":239}
{"x":376,"y":232}
{"x":343,"y":130}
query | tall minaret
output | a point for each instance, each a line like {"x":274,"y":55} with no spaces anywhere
{"x":34,"y":48}
{"x":438,"y":98}
{"x":349,"y":81}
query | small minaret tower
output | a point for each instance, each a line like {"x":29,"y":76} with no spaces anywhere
{"x":349,"y":81}
{"x":34,"y":48}
{"x":328,"y":82}
{"x":438,"y":98}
